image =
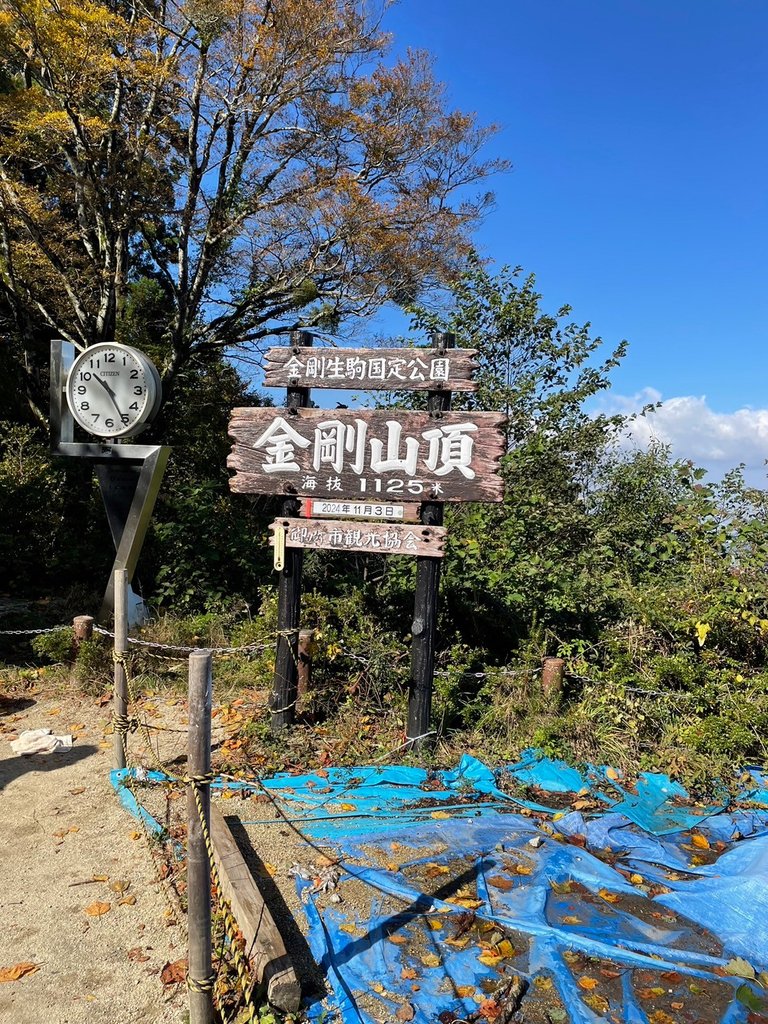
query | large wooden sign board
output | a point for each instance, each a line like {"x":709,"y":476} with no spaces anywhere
{"x":364,"y":369}
{"x":377,"y":538}
{"x":368,"y":454}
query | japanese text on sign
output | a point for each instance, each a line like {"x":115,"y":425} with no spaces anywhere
{"x":371,"y":369}
{"x":333,"y":443}
{"x":368,"y":455}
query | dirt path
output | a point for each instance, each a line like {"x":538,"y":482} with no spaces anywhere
{"x":62,"y":825}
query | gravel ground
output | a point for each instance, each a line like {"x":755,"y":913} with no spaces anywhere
{"x":63,"y":826}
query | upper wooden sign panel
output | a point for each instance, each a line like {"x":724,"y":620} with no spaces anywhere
{"x":365,"y":369}
{"x":368,"y":454}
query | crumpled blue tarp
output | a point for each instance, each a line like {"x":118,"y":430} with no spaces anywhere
{"x":645,"y":896}
{"x":624,"y":897}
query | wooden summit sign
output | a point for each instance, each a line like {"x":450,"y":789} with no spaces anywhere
{"x":368,"y":454}
{"x":376,"y":538}
{"x":388,"y":369}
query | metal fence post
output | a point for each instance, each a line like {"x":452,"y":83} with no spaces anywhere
{"x":120,"y":724}
{"x":198,"y":867}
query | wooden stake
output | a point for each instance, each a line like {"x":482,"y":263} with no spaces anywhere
{"x":198,"y":867}
{"x":552,"y":672}
{"x":120,"y":737}
{"x":306,"y":652}
{"x":424,"y":628}
{"x":284,"y":691}
{"x":82,"y":629}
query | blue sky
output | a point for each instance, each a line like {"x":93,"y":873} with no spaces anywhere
{"x":637,"y":133}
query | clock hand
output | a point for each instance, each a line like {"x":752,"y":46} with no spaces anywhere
{"x":111,"y":394}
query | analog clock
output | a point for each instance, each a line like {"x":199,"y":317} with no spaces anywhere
{"x":113,"y":390}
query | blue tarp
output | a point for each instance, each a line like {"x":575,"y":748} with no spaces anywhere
{"x":642,"y":907}
{"x":450,"y":886}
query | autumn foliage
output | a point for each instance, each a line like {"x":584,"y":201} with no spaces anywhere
{"x":261,"y":162}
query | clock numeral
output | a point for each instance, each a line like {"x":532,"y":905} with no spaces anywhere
{"x":109,"y":422}
{"x":85,"y":405}
{"x":85,"y":375}
{"x":109,"y":357}
{"x":138,"y":390}
{"x":95,"y":417}
{"x":124,"y":418}
{"x":134,"y":405}
{"x":134,"y":374}
{"x":81,"y":390}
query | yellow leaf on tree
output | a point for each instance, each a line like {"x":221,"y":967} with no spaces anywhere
{"x":97,"y":909}
{"x":19,"y":970}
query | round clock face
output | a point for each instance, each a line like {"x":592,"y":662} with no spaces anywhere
{"x":113,"y":390}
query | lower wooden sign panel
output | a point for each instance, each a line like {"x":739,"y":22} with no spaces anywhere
{"x":381,"y":538}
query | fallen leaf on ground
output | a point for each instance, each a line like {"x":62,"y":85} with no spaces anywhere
{"x":489,"y":959}
{"x":120,"y":885}
{"x":20,"y":970}
{"x":701,"y":841}
{"x":408,"y":974}
{"x":740,"y":968}
{"x":587,"y":983}
{"x":430,"y":960}
{"x":405,"y":1013}
{"x":571,"y":919}
{"x":597,"y":1003}
{"x":127,"y":901}
{"x":463,"y":991}
{"x":499,"y":882}
{"x":489,"y":1009}
{"x":137,"y":955}
{"x":97,"y":909}
{"x":399,"y":940}
{"x":440,"y":814}
{"x":174,"y":973}
{"x":77,"y":791}
{"x":608,"y":896}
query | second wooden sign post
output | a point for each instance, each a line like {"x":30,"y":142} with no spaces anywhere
{"x":424,"y":626}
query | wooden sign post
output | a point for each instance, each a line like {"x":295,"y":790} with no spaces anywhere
{"x":366,"y":464}
{"x":285,"y":689}
{"x":424,"y":626}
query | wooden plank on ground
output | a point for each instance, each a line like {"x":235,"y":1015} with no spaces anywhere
{"x":263,"y":941}
{"x":371,"y":369}
{"x":369,"y":538}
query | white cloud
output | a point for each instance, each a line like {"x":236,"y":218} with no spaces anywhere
{"x":718,"y":441}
